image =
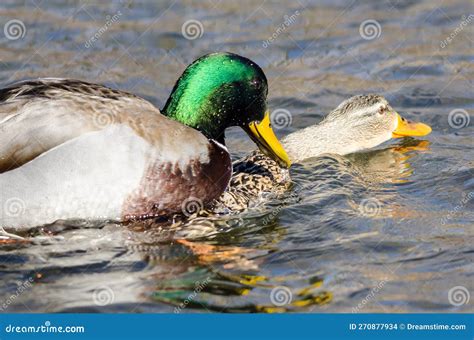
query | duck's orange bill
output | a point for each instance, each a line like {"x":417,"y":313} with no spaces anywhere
{"x":262,"y":134}
{"x":406,"y":128}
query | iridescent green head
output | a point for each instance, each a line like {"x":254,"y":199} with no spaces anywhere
{"x":220,"y":90}
{"x":216,"y":91}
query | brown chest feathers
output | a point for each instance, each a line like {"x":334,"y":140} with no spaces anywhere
{"x":168,"y":188}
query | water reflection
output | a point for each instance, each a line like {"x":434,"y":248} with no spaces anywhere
{"x":211,"y":270}
{"x":390,"y":165}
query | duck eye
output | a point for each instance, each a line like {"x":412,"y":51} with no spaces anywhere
{"x":256,"y":83}
{"x":382,"y":110}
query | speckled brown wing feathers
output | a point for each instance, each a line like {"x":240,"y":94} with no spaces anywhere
{"x":37,"y":115}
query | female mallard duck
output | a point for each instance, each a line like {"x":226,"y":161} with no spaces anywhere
{"x":359,"y":123}
{"x":76,"y":150}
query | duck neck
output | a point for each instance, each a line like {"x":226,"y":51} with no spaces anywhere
{"x":193,"y":109}
{"x":326,"y":137}
{"x":202,"y":123}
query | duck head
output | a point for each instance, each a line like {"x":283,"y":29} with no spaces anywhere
{"x":221,"y":90}
{"x":366,"y":121}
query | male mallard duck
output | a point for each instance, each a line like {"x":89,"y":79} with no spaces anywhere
{"x":75,"y":150}
{"x":359,"y":123}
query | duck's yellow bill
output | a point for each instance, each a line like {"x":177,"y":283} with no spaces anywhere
{"x":263,"y":135}
{"x":406,"y":128}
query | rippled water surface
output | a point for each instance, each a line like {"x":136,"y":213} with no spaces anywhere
{"x":390,"y":230}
